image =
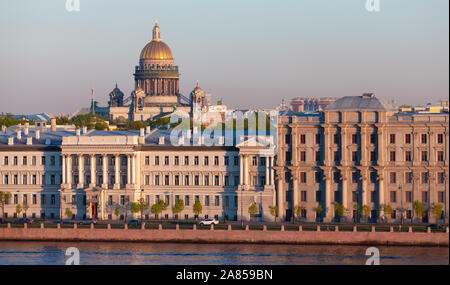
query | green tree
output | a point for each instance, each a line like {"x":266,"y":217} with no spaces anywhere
{"x":198,"y":208}
{"x":63,"y":121}
{"x":68,"y":213}
{"x":139,"y":207}
{"x":158,"y":207}
{"x":178,"y":207}
{"x":100,"y":126}
{"x":436,"y":210}
{"x":339,"y":209}
{"x":4,"y":199}
{"x":319,"y":210}
{"x":18,"y":209}
{"x":253,"y":210}
{"x":388,"y":210}
{"x":297,"y":211}
{"x":420,"y":209}
{"x":117,"y":212}
{"x":365,"y":212}
{"x":25,"y":207}
{"x":274,"y":212}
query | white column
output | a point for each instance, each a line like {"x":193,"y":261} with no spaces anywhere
{"x":69,"y":171}
{"x":80,"y":171}
{"x":63,"y":169}
{"x":241,"y":169}
{"x":246,"y":170}
{"x":128,"y":169}
{"x":105,"y":171}
{"x":267,"y":171}
{"x":116,"y":168}
{"x":93,"y":176}
{"x":272,"y":177}
{"x":133,"y":170}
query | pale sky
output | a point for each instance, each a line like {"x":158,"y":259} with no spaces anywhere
{"x":251,"y":53}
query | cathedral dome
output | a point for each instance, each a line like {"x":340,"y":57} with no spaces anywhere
{"x":156,"y":49}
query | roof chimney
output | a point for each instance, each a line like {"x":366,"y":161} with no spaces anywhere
{"x":25,"y":132}
{"x":38,"y":134}
{"x":147,"y":130}
{"x":29,"y":140}
{"x":141,"y":132}
{"x":19,"y":135}
{"x":84,"y":130}
{"x":161,"y":140}
{"x":4,"y":128}
{"x":77,"y":132}
{"x":10,"y":140}
{"x":53,"y":124}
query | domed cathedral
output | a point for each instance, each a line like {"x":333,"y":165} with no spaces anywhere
{"x":156,"y":81}
{"x":156,"y":86}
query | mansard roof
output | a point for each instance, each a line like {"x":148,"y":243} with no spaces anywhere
{"x":366,"y":102}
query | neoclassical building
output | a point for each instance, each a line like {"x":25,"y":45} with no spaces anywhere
{"x":92,"y":173}
{"x":361,"y":151}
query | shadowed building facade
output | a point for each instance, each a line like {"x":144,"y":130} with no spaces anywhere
{"x":360,"y":152}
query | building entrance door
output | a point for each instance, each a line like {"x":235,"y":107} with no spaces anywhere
{"x":93,"y":210}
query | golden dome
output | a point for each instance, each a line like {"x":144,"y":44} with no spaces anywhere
{"x":156,"y":49}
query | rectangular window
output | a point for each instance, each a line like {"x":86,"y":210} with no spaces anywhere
{"x":147,"y":160}
{"x":206,"y":160}
{"x":186,"y":180}
{"x":166,"y":180}
{"x":177,"y":180}
{"x":303,"y":139}
{"x":424,"y":196}
{"x":53,"y":160}
{"x":440,"y":177}
{"x":236,"y":180}
{"x":373,"y":156}
{"x":373,"y":138}
{"x":318,"y":176}
{"x":302,"y":177}
{"x":147,"y":179}
{"x":287,"y":139}
{"x":43,"y":160}
{"x":318,"y":196}
{"x":318,"y":156}
{"x":196,"y":160}
{"x":34,"y":199}
{"x":186,"y":160}
{"x":15,"y":160}
{"x":407,"y":138}
{"x":303,"y":156}
{"x":440,"y":196}
{"x":226,"y":180}
{"x":52,"y":199}
{"x":262,"y":161}
{"x":24,"y":160}
{"x":176,"y":160}
{"x":407,"y":156}
{"x":207,"y":180}
{"x":217,"y":201}
{"x":440,"y":156}
{"x":25,"y":179}
{"x":206,"y":200}
{"x":392,"y":138}
{"x":317,"y":138}
{"x":354,"y":196}
{"x":16,"y":199}
{"x":440,"y":138}
{"x":236,"y":160}
{"x":336,"y":156}
{"x":392,"y":156}
{"x":196,"y":180}
{"x":393,"y":197}
{"x":408,"y":197}
{"x":288,"y":156}
{"x":227,"y":160}
{"x":336,"y":138}
{"x":5,"y":160}
{"x":336,"y":177}
{"x":167,"y":200}
{"x":303,"y":196}
{"x":43,"y":200}
{"x":373,"y":196}
{"x":186,"y":200}
{"x":424,"y":155}
{"x":216,"y":160}
{"x":408,"y":177}
{"x":156,"y":160}
{"x":354,"y":138}
{"x":424,"y":138}
{"x":166,"y":160}
{"x":216,"y":180}
{"x":354,"y":156}
{"x":393,"y":178}
{"x":110,"y":200}
{"x":373,"y":177}
{"x":424,"y":176}
{"x":355,"y":177}
{"x":156,"y":179}
{"x":336,"y":196}
{"x":254,"y":160}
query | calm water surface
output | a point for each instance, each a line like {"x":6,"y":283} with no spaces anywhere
{"x":206,"y":254}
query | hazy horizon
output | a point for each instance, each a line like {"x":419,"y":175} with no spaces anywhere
{"x":252,"y":54}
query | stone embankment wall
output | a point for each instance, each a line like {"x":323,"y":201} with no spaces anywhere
{"x":227,"y":236}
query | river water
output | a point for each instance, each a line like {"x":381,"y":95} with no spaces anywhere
{"x":53,"y":253}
